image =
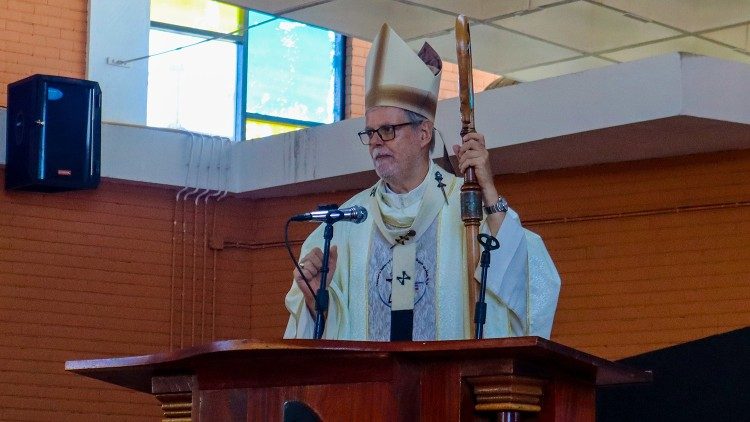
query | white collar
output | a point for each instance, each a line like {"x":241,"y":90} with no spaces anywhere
{"x":405,"y":200}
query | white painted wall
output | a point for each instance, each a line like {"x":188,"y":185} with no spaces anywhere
{"x":716,"y":89}
{"x":165,"y":156}
{"x":119,"y":29}
{"x":637,"y":97}
{"x":519,"y":114}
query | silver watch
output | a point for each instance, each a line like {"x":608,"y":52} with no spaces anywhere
{"x":500,"y":206}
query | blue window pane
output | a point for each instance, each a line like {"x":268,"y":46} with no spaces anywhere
{"x":290,"y":70}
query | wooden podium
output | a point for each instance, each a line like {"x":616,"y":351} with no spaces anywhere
{"x":521,"y":378}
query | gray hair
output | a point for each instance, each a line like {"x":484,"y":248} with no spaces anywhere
{"x":417,"y":118}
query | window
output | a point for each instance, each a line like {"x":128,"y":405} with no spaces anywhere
{"x":193,"y":88}
{"x":293,"y":74}
{"x":275,"y":77}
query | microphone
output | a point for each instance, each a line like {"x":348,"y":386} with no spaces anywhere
{"x":355,"y":214}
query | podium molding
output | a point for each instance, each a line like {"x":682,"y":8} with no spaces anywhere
{"x":520,"y":378}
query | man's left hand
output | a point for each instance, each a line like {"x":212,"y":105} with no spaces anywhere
{"x":473,"y":153}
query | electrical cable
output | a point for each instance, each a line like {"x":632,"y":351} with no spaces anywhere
{"x":218,"y":37}
{"x":291,"y":255}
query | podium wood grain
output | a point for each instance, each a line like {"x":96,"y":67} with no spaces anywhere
{"x":465,"y":380}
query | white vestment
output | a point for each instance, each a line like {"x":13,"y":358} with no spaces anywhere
{"x":522,"y":282}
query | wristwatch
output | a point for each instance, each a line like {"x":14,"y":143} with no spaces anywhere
{"x":500,"y":206}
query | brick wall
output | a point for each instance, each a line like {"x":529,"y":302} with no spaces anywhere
{"x":652,"y":253}
{"x":41,"y":36}
{"x":107,"y":273}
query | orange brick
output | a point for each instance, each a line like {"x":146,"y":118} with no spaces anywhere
{"x":34,"y":39}
{"x":16,"y":15}
{"x":43,"y":9}
{"x":358,"y":79}
{"x":73,"y":17}
{"x":31,"y":60}
{"x":77,"y":46}
{"x":21,"y":6}
{"x":45,"y":51}
{"x":8,"y":38}
{"x":17,"y":48}
{"x":17,"y":69}
{"x":76,"y":36}
{"x":60,"y":43}
{"x":74,"y":5}
{"x":71,"y":56}
{"x":64,"y":24}
{"x":20,"y":27}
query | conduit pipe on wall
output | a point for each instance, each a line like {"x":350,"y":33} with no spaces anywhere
{"x":215,"y":158}
{"x":184,"y":242}
{"x":221,"y":195}
{"x":174,"y":238}
{"x":196,"y":203}
{"x":207,"y":198}
{"x":204,"y":250}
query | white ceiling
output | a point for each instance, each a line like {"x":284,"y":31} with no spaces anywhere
{"x":537,"y":39}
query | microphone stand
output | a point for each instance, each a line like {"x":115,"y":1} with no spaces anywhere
{"x":321,"y":296}
{"x":489,"y":243}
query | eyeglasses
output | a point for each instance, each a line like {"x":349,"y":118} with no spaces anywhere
{"x":385,"y":132}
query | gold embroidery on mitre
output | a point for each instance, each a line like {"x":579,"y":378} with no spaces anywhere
{"x":396,"y":76}
{"x":403,"y":97}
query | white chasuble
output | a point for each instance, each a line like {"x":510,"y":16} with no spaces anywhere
{"x":391,"y":257}
{"x":523,"y":284}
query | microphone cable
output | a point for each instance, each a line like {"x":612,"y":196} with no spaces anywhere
{"x":296,"y":262}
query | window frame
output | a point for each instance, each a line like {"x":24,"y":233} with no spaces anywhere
{"x":242,"y":116}
{"x":208,"y":36}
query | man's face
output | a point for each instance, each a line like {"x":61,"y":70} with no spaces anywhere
{"x":396,"y":160}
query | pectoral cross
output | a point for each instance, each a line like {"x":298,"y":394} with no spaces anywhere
{"x":441,"y":185}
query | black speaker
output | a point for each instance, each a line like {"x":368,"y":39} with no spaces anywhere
{"x":54,"y":132}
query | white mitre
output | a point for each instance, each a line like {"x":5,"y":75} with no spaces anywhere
{"x":396,"y":76}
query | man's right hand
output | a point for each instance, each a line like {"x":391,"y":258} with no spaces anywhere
{"x":311,"y":265}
